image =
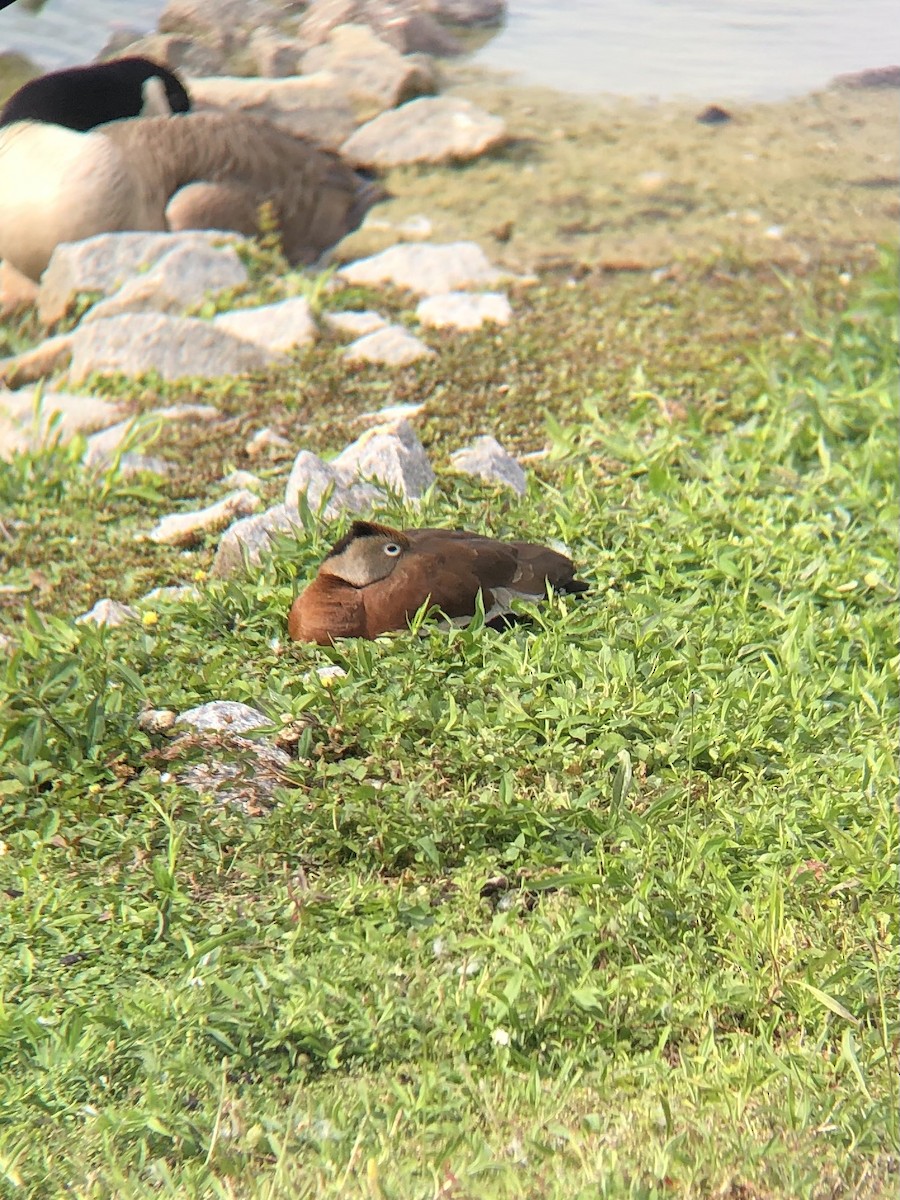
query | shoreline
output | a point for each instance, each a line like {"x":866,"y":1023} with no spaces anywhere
{"x":614,"y":180}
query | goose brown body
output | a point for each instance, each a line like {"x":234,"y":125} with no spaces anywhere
{"x":199,"y":170}
{"x":376,"y":578}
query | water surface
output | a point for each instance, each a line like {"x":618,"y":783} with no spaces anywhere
{"x":707,"y":49}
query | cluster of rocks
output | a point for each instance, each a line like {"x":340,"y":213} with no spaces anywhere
{"x":386,"y":459}
{"x":332,"y":70}
{"x":146,"y":283}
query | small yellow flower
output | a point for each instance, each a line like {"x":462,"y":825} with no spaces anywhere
{"x":200,"y":576}
{"x":94,"y":789}
{"x":150,"y":618}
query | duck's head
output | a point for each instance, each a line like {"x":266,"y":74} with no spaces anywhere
{"x":366,"y":554}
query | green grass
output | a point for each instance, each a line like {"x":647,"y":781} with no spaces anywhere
{"x":603,"y":907}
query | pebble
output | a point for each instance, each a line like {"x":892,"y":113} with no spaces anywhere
{"x":266,"y":439}
{"x":108,"y":612}
{"x":464,"y":310}
{"x":355,"y":324}
{"x":393,"y":346}
{"x":426,"y":268}
{"x":486,"y":459}
{"x":186,"y":529}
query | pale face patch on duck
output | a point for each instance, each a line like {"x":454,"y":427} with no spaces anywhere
{"x":366,"y":555}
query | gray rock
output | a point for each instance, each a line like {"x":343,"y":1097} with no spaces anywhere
{"x":356,"y":323}
{"x":186,"y":529}
{"x":393,"y":346}
{"x":401,"y":23}
{"x":313,"y":106}
{"x":103,"y":447}
{"x":224,"y":716}
{"x":433,"y":129}
{"x":426,"y":269}
{"x":467,"y":12}
{"x":248,"y":540}
{"x":175,"y":347}
{"x":312,"y":478}
{"x":59,"y":416}
{"x":462,"y":310}
{"x":488,"y":460}
{"x":105,"y":262}
{"x":225,"y":24}
{"x":177,"y":52}
{"x":108,"y":612}
{"x":179,"y":280}
{"x":51,"y":355}
{"x":284,"y":326}
{"x":372,"y":73}
{"x":391,"y":455}
{"x":274,"y":56}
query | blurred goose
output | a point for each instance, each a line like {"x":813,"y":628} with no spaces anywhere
{"x":376,"y":578}
{"x":84,"y":97}
{"x":201,"y":170}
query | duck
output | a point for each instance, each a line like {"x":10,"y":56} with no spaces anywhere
{"x":194,"y":170}
{"x":83,"y":97}
{"x":376,"y":578}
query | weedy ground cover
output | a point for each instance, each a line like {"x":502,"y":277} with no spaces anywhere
{"x":603,"y":906}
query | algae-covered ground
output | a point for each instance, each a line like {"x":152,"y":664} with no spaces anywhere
{"x":603,"y":906}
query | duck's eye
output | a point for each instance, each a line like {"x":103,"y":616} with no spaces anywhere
{"x":392,"y":549}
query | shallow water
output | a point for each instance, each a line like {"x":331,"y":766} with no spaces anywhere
{"x":707,"y":49}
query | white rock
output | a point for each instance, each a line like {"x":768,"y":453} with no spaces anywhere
{"x":248,"y":540}
{"x":104,"y":446}
{"x":372,"y":73}
{"x":330,"y":671}
{"x":392,"y":346}
{"x":108,"y":612}
{"x":391,"y":414}
{"x":224,"y":716}
{"x":462,"y":310}
{"x":266,"y":439}
{"x":312,"y":478}
{"x":58,"y":416}
{"x":281,"y":327}
{"x":355,"y":323}
{"x":313,"y":106}
{"x":488,"y":460}
{"x":432,"y":129}
{"x":105,"y":262}
{"x":178,"y":281}
{"x":243,"y":479}
{"x":175,"y":347}
{"x":391,"y":455}
{"x":425,"y":268}
{"x":185,"y":529}
{"x":38,"y":362}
